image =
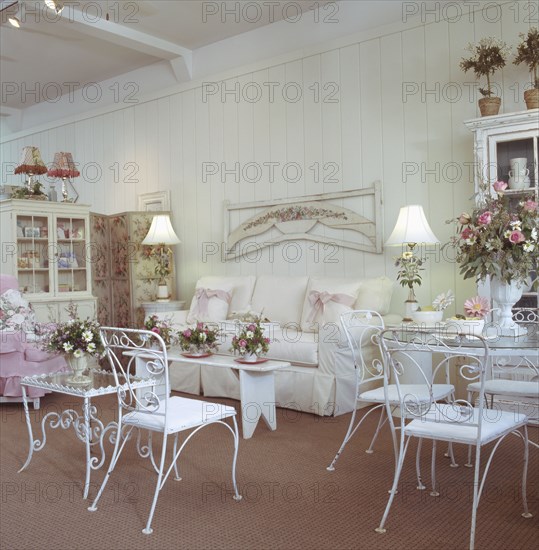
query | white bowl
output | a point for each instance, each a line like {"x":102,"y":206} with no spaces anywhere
{"x":428,"y":318}
{"x":468,"y":327}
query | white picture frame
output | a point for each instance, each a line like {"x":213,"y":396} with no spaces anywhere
{"x":154,"y":202}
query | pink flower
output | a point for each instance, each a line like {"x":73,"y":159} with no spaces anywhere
{"x":200,"y":326}
{"x":156,"y":330}
{"x":478,"y":306}
{"x":187,"y":333}
{"x":517,"y":237}
{"x":530,"y":206}
{"x":485,"y":218}
{"x":267,"y":340}
{"x":251,"y":327}
{"x":500,"y":186}
{"x":467,"y":235}
{"x":243,"y":343}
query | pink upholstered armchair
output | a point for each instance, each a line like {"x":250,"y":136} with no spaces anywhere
{"x":19,"y":352}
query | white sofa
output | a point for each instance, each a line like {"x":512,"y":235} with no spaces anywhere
{"x":303,"y":330}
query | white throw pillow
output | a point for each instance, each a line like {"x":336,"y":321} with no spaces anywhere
{"x":241,"y":286}
{"x":375,"y":294}
{"x":210,"y":303}
{"x":326,"y":300}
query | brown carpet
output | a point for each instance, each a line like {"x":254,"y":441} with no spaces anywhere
{"x":290,"y":500}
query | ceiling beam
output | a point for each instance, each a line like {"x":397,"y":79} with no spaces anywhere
{"x":181,"y":58}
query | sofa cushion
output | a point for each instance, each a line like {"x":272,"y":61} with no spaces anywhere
{"x":279,"y":299}
{"x":15,"y":312}
{"x":210,"y":303}
{"x":375,"y":294}
{"x":326,"y":300}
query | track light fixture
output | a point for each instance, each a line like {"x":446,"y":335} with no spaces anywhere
{"x":14,"y":21}
{"x":56,"y":5}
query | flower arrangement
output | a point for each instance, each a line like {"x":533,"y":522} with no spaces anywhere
{"x":497,"y":241}
{"x":250,"y":340}
{"x":489,"y":55}
{"x":34,"y":191}
{"x":199,"y":338}
{"x":75,"y":337}
{"x":528,"y":53}
{"x":409,"y":267}
{"x":162,"y":327}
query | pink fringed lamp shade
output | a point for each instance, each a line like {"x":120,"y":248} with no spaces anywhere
{"x":31,"y":162}
{"x":63,"y":166}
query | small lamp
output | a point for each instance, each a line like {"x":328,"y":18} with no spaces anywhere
{"x":161,"y":235}
{"x":63,"y":167}
{"x":32,"y":165}
{"x":411,"y":228}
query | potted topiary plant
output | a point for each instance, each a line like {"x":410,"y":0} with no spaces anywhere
{"x":528,"y":53}
{"x":488,"y":56}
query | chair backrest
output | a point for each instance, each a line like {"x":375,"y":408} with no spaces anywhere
{"x":362,"y":327}
{"x":140,"y":353}
{"x":415,"y":358}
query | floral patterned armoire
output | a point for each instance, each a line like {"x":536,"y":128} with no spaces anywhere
{"x":123,"y":271}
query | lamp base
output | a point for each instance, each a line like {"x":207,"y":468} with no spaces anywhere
{"x":163,"y":294}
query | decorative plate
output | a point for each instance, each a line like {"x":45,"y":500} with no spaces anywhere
{"x":244,"y":362}
{"x":196,"y":355}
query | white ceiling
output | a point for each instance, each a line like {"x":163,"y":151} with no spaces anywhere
{"x":51,"y":55}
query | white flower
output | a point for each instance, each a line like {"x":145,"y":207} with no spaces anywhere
{"x":534,"y":233}
{"x":68,"y":347}
{"x":91,"y":347}
{"x":443,"y":300}
{"x":78,"y":353}
{"x":528,"y":246}
{"x":202,"y":337}
{"x":87,"y":336}
{"x":517,"y":224}
{"x":507,"y":234}
{"x":249,"y":334}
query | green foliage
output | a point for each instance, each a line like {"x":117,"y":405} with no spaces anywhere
{"x":528,"y":53}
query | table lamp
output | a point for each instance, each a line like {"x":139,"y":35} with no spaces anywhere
{"x":411,"y":228}
{"x":31,"y":164}
{"x":63,"y":167}
{"x":161,"y":235}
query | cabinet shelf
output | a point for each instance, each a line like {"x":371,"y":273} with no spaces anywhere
{"x":67,"y":241}
{"x":30,"y":269}
{"x":66,"y":269}
{"x":32,"y":240}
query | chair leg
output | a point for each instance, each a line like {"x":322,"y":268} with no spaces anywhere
{"x":236,"y":496}
{"x":420,"y":485}
{"x":434,"y":492}
{"x":469,"y":461}
{"x":148,"y":530}
{"x":118,"y":448}
{"x":177,"y":476}
{"x":526,"y":514}
{"x":381,"y":422}
{"x":381,"y":529}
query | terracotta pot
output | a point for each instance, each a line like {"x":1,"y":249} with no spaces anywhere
{"x":489,"y":105}
{"x":531,"y":97}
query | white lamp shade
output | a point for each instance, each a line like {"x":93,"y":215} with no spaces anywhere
{"x":411,"y":227}
{"x":161,"y":232}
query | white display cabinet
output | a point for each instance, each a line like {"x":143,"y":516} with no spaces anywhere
{"x":498,"y":140}
{"x":47,"y":246}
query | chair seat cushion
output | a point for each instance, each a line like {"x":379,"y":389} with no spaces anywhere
{"x":439,"y":391}
{"x":448,"y":423}
{"x":183,"y":414}
{"x":500,"y":386}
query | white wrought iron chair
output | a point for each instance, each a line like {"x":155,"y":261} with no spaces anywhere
{"x":362,"y":328}
{"x":498,"y":386}
{"x":143,"y":353}
{"x":457,"y":422}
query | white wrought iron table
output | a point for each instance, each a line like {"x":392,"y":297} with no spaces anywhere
{"x":257,"y":385}
{"x":88,"y":427}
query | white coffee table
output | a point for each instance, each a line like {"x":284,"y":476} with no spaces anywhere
{"x":257,"y":385}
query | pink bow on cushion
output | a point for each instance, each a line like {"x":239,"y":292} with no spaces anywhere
{"x":203,"y":296}
{"x":320,"y":299}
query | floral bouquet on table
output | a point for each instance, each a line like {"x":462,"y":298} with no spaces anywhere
{"x":162,"y":327}
{"x":200,"y":339}
{"x":497,"y":241}
{"x":250,"y":342}
{"x":77,"y":339}
{"x":472,"y":322}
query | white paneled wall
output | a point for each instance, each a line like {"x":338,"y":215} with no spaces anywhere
{"x":352,"y":114}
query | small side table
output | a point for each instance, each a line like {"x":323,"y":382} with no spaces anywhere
{"x":161,"y":307}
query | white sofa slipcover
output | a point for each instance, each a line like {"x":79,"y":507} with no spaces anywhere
{"x":321,"y":379}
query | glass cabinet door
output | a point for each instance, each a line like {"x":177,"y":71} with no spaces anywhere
{"x":71,"y":254}
{"x":33,"y":253}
